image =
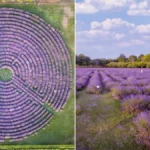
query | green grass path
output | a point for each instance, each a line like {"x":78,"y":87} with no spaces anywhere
{"x":102,"y":126}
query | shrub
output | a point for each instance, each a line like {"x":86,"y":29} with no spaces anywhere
{"x":148,"y":65}
{"x":113,"y":65}
{"x":117,"y":92}
{"x":147,"y":58}
{"x":142,"y":122}
{"x":145,"y":105}
{"x":141,"y":64}
{"x":132,"y":103}
{"x":122,"y":65}
{"x":111,"y":84}
{"x":147,"y":89}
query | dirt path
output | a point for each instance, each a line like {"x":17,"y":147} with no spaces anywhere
{"x":68,"y":13}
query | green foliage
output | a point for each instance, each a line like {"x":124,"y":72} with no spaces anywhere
{"x":83,"y":60}
{"x":148,"y":65}
{"x":141,"y":64}
{"x":122,"y":65}
{"x":121,"y":62}
{"x":113,"y":65}
{"x":132,"y":58}
{"x":147,"y":58}
{"x":117,"y":65}
{"x":140,"y":57}
{"x":131,"y":105}
{"x":47,"y":107}
{"x":37,"y":147}
{"x":122,"y":58}
{"x":132,"y":65}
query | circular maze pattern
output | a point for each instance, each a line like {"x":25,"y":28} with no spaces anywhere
{"x":37,"y":57}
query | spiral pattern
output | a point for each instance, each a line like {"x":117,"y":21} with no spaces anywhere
{"x":42,"y":73}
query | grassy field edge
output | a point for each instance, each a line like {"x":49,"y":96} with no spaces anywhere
{"x":10,"y":147}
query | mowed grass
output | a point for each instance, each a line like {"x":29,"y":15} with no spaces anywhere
{"x":60,"y":130}
{"x":102,"y":126}
{"x":5,"y":74}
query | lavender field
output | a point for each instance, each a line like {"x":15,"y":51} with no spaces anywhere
{"x":36,"y":96}
{"x":113,"y":108}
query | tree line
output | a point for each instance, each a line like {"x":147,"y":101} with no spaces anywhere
{"x":142,"y":61}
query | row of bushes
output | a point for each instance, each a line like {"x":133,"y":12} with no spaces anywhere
{"x":137,"y":104}
{"x":141,"y":64}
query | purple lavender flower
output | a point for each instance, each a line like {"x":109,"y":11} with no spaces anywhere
{"x":95,"y":84}
{"x":142,"y":122}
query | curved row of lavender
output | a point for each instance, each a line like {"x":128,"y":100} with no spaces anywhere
{"x":42,"y":73}
{"x":132,"y":88}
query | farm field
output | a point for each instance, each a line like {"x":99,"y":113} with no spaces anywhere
{"x":113,"y":108}
{"x":58,"y":132}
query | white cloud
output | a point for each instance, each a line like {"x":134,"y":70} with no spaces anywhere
{"x":109,"y":24}
{"x":100,"y":34}
{"x":143,"y":29}
{"x":92,"y":6}
{"x":119,"y":36}
{"x":133,"y":7}
{"x":85,"y":8}
{"x":139,"y":12}
{"x":112,"y":32}
{"x":141,"y":8}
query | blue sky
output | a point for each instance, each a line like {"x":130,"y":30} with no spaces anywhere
{"x":106,"y":29}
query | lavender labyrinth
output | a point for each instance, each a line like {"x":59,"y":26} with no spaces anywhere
{"x":35,"y":69}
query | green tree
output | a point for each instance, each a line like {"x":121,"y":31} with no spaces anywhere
{"x":103,"y":62}
{"x":122,"y":58}
{"x":140,"y":57}
{"x":88,"y":60}
{"x":95,"y":62}
{"x":132,"y":58}
{"x":81,"y":59}
{"x":147,"y":58}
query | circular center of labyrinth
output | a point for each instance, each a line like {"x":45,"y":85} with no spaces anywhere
{"x":6,"y":74}
{"x":40,"y":79}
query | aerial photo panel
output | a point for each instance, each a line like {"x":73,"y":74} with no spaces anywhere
{"x":37,"y":74}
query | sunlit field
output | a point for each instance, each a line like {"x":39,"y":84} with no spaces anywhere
{"x":113,"y":108}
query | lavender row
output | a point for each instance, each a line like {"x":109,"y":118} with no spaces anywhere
{"x":95,"y":84}
{"x":82,"y":81}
